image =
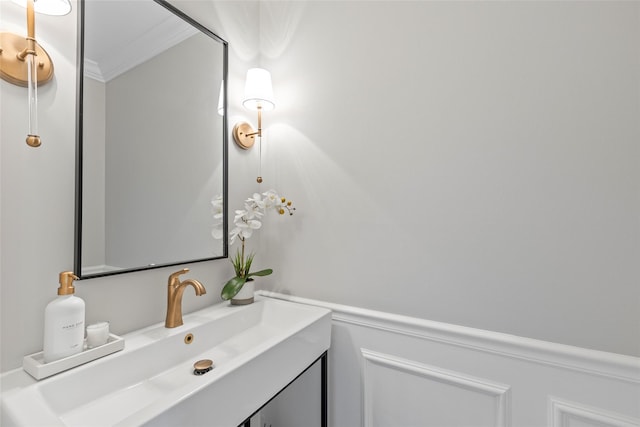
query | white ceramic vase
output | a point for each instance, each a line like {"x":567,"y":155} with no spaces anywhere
{"x":245,"y":296}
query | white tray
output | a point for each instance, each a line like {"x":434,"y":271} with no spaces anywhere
{"x":35,"y":366}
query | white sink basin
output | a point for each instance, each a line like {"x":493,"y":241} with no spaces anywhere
{"x":257,"y":350}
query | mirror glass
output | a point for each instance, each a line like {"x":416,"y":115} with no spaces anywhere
{"x":151,"y":142}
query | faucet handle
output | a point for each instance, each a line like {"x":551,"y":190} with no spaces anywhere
{"x":174,"y":276}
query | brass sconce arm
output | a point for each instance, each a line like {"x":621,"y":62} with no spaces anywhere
{"x":28,"y":65}
{"x":244,"y":135}
{"x":259,"y":131}
{"x":31,"y":32}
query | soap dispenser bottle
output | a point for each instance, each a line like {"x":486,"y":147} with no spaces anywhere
{"x":64,"y":322}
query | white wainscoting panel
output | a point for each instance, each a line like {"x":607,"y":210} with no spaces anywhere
{"x":571,"y":414}
{"x":405,"y":392}
{"x":387,"y":370}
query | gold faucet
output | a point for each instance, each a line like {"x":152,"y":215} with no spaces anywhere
{"x":174,"y":297}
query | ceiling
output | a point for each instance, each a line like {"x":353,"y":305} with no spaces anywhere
{"x":121,"y":34}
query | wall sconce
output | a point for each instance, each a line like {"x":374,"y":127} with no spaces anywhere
{"x":258,"y":95}
{"x":24,"y":62}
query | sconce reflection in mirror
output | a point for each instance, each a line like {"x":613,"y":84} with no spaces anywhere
{"x":258,"y":96}
{"x":221,"y":99}
{"x":24,"y":62}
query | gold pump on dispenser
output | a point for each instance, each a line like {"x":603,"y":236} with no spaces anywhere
{"x":66,"y":283}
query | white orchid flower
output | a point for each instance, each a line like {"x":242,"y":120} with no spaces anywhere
{"x":257,"y":201}
{"x":218,"y":216}
{"x":271,"y":200}
{"x":243,"y":230}
{"x":216,"y":231}
{"x":232,"y":235}
{"x":253,"y":211}
{"x":218,"y":207}
{"x":239,"y":216}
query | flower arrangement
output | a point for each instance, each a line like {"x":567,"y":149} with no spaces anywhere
{"x":246,"y":221}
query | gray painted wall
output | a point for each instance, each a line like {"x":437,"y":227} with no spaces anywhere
{"x":93,"y":194}
{"x":474,"y":163}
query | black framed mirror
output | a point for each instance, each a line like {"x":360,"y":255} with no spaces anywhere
{"x":151,"y":141}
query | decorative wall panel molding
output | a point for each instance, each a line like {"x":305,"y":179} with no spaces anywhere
{"x":569,"y":414}
{"x":473,"y":393}
{"x":611,"y":365}
{"x":387,"y":370}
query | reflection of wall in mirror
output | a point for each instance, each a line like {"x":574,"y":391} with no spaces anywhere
{"x":158,"y":216}
{"x":93,"y":142}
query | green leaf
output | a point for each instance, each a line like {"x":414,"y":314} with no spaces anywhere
{"x":264,"y":272}
{"x":232,"y":287}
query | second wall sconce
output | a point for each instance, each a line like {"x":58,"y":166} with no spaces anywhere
{"x":24,"y":62}
{"x":258,"y":96}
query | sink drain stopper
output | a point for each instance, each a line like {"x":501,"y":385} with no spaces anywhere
{"x":203,"y":366}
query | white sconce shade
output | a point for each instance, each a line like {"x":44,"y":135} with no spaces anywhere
{"x":48,"y":7}
{"x":258,"y":91}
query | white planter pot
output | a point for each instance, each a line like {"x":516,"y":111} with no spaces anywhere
{"x":245,"y":296}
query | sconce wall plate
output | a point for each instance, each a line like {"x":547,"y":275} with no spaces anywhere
{"x":13,"y":69}
{"x":244,"y":135}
